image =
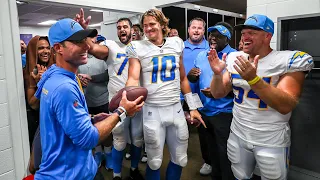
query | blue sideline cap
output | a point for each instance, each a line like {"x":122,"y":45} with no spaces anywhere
{"x":222,"y":30}
{"x":258,"y":21}
{"x":69,"y":29}
{"x":100,"y":38}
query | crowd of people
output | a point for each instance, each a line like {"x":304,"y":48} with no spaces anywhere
{"x":242,"y":99}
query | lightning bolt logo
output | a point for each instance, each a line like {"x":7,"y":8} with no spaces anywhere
{"x":295,"y":56}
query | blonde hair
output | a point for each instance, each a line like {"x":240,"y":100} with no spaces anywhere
{"x":160,"y":17}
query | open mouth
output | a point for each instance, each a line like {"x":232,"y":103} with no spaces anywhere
{"x":123,"y":34}
{"x":247,"y":43}
{"x":83,"y":55}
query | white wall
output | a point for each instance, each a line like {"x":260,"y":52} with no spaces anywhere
{"x":14,"y":143}
{"x":39,"y":30}
{"x":281,"y":8}
{"x":110,"y":30}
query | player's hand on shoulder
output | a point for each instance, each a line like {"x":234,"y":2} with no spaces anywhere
{"x":131,"y":106}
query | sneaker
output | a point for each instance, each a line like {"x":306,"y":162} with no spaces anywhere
{"x":128,"y":156}
{"x":98,"y":158}
{"x":205,"y":169}
{"x":117,"y":178}
{"x":144,"y":158}
{"x":135,"y":175}
{"x":109,"y":165}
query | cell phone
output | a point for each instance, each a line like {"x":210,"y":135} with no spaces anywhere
{"x":204,"y":90}
{"x":35,"y":70}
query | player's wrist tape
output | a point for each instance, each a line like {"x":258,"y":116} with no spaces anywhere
{"x":190,"y":101}
{"x":254,"y":80}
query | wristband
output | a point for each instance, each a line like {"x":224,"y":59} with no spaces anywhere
{"x":254,"y":81}
{"x":123,"y":109}
{"x":190,"y":101}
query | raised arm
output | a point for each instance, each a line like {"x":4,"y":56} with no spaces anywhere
{"x":220,"y":84}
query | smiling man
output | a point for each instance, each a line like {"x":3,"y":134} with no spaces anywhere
{"x":216,"y":112}
{"x":67,"y":132}
{"x":115,"y":55}
{"x":267,"y":85}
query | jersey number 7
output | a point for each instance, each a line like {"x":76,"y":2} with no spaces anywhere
{"x":124,"y":59}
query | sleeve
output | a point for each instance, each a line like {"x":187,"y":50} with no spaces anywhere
{"x":197,"y":61}
{"x":71,"y":114}
{"x":300,"y":61}
{"x":179,"y":43}
{"x":131,"y":51}
{"x":229,"y":62}
{"x":100,"y":78}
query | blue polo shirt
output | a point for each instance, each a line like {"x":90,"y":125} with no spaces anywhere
{"x":211,"y":106}
{"x":190,"y":53}
{"x":67,"y":134}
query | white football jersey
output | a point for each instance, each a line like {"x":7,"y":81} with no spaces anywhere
{"x":117,"y":63}
{"x":253,"y":120}
{"x":159,"y":69}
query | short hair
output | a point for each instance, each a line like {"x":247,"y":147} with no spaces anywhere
{"x":138,"y":26}
{"x":160,"y":17}
{"x":44,"y":38}
{"x":227,"y":25}
{"x":125,"y":19}
{"x":198,"y":19}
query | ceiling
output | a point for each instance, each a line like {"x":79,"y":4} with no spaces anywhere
{"x":237,"y":6}
{"x":30,"y":14}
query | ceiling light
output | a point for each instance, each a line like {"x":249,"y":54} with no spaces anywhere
{"x":215,"y":10}
{"x":196,"y":7}
{"x":49,"y":22}
{"x":96,"y":10}
{"x":95,"y":25}
{"x":241,"y":15}
{"x":20,"y":2}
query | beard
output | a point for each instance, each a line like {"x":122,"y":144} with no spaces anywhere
{"x":126,"y":40}
{"x":196,"y":40}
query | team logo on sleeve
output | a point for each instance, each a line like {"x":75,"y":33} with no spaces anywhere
{"x":295,"y":56}
{"x":75,"y":103}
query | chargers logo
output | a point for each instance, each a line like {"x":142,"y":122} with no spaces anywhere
{"x":224,"y":31}
{"x":72,"y":24}
{"x":295,"y":56}
{"x":253,"y":17}
{"x":75,"y":103}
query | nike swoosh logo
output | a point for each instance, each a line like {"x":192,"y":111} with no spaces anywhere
{"x":179,"y":111}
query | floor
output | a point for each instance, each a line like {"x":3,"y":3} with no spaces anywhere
{"x":190,"y":172}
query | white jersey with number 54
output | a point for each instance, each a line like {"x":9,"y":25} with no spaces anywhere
{"x":159,"y":69}
{"x":117,"y":66}
{"x":253,"y":120}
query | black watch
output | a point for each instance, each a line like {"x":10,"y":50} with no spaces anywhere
{"x":122,"y":115}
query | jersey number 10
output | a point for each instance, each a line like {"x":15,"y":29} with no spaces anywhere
{"x":161,"y":66}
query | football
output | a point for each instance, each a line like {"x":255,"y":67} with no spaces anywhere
{"x":133,"y":92}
